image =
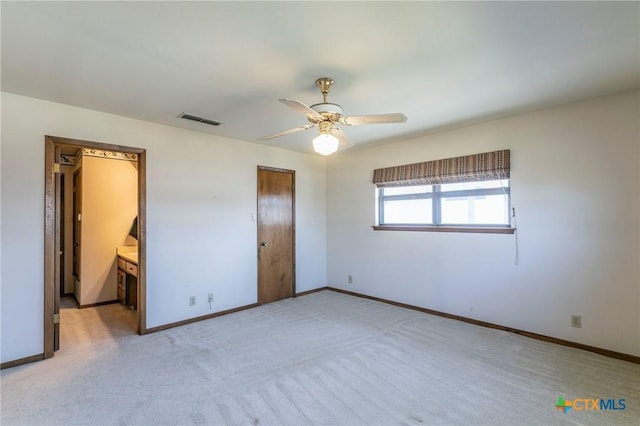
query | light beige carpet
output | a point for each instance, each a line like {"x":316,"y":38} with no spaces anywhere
{"x":325,"y":359}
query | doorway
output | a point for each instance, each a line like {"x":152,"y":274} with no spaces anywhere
{"x":53,"y":208}
{"x":276,"y":234}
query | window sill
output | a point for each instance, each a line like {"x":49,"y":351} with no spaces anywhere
{"x":463,"y":229}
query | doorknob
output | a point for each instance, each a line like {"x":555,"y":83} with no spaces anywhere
{"x":264,"y":244}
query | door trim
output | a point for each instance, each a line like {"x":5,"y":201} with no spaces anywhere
{"x":52,"y":143}
{"x":293,"y":226}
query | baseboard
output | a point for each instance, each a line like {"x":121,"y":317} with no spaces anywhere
{"x":218,"y":314}
{"x":601,"y":351}
{"x":21,"y":361}
{"x":315,"y":290}
{"x":196,"y":319}
{"x":93,"y":305}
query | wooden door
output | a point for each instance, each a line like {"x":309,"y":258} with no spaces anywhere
{"x":276,"y":234}
{"x":60,"y":235}
{"x":58,"y":267}
{"x":77,"y":218}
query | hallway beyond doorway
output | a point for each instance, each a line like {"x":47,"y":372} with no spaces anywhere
{"x":91,"y":326}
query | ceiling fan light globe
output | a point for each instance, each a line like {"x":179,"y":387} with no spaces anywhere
{"x":325,"y":144}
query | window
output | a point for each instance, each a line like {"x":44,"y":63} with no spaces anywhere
{"x":483,"y":203}
{"x":461,"y":194}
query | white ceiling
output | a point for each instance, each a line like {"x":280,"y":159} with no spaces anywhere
{"x":442,"y":64}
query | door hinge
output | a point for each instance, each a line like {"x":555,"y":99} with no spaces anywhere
{"x":56,"y":167}
{"x":56,"y":319}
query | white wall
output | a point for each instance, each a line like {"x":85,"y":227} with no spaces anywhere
{"x":201,"y":193}
{"x":576,"y":189}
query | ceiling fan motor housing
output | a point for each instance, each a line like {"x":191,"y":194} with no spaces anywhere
{"x":331,"y":112}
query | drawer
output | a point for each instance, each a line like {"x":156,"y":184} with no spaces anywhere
{"x":132,"y":269}
{"x":122,"y":264}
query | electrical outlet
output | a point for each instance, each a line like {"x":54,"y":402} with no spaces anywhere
{"x":210,"y":298}
{"x":576,"y":321}
{"x":350,"y":279}
{"x":192,"y":300}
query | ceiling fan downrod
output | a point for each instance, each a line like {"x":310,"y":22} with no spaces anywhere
{"x":324,"y":84}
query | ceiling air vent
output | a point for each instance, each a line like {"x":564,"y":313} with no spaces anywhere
{"x":198,"y":119}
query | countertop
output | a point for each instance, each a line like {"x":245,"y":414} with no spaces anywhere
{"x":128,"y":253}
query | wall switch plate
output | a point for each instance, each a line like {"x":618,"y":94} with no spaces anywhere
{"x":576,"y":321}
{"x":192,"y":300}
{"x":210,"y":298}
{"x":350,"y":279}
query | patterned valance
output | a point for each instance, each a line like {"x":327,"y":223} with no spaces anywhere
{"x":112,"y":155}
{"x":470,"y":168}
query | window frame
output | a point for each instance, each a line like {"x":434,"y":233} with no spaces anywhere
{"x":436,"y":195}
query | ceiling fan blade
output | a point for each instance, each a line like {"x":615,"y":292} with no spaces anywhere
{"x":358,"y":120}
{"x":345,"y":143}
{"x":286,"y":132}
{"x":300,"y":107}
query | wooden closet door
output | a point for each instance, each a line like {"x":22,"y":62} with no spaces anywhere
{"x":276,"y":234}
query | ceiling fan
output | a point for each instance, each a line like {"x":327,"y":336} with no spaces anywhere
{"x":327,"y":116}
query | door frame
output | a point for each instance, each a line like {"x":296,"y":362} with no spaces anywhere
{"x":293,"y":227}
{"x":51,"y":245}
